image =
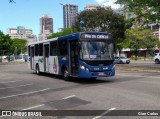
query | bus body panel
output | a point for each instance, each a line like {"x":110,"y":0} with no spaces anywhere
{"x":53,"y":65}
{"x":29,"y":64}
{"x":38,"y":60}
{"x":96,"y":71}
{"x":63,"y":63}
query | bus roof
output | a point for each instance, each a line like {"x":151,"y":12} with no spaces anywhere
{"x":73,"y":36}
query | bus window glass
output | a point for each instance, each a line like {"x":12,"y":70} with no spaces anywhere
{"x":46,"y":50}
{"x":53,"y":48}
{"x":32,"y":51}
{"x":40,"y":49}
{"x":28,"y":50}
{"x":97,"y":50}
{"x":36,"y":50}
{"x":62,"y":49}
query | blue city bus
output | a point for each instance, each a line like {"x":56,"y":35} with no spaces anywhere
{"x":82,"y":55}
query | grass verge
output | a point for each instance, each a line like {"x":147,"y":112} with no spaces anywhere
{"x":143,"y":68}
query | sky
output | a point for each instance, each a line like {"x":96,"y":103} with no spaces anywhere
{"x":27,"y":13}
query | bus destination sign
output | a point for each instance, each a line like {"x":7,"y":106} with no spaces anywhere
{"x":94,"y":36}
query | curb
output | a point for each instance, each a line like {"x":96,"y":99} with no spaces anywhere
{"x":140,"y":70}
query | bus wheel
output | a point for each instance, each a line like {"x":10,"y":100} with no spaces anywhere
{"x":37,"y":70}
{"x":65,"y":74}
{"x":157,"y":61}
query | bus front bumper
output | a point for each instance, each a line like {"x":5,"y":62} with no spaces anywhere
{"x":88,"y":74}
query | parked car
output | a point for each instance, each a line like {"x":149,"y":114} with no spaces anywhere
{"x":121,"y":60}
{"x":11,"y":59}
{"x":157,"y":58}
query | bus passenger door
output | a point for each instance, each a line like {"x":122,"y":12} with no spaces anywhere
{"x":46,"y":57}
{"x":73,"y":49}
{"x":32,"y":57}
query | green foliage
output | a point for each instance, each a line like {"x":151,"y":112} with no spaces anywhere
{"x":8,"y":45}
{"x":103,"y":20}
{"x":64,"y":32}
{"x":137,"y":38}
{"x":145,"y":10}
{"x":19,"y":45}
{"x":5,"y":43}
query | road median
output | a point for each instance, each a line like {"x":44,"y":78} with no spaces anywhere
{"x":138,"y":68}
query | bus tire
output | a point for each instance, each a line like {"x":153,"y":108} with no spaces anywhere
{"x":157,"y":61}
{"x":65,"y":75}
{"x":37,"y":69}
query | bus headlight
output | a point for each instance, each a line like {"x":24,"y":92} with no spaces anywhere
{"x":84,"y":68}
{"x":87,"y":69}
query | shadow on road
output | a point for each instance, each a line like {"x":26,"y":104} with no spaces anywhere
{"x":81,"y":80}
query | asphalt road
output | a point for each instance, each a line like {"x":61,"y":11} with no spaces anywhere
{"x":21,"y":89}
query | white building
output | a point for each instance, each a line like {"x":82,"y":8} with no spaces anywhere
{"x":21,"y":33}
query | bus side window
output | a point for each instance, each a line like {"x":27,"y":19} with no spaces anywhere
{"x":29,"y":51}
{"x":53,"y":48}
{"x":40,"y":49}
{"x":36,"y":50}
{"x":62,"y":46}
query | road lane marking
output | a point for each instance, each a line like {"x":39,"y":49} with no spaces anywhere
{"x":104,"y":113}
{"x":24,"y":93}
{"x":15,"y":86}
{"x":33,"y":107}
{"x":69,"y":97}
{"x":11,"y":81}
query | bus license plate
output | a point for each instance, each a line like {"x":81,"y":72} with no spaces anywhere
{"x":101,"y":74}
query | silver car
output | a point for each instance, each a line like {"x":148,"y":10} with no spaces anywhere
{"x":121,"y":60}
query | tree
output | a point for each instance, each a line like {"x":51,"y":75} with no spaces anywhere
{"x":5,"y":44}
{"x":144,"y":10}
{"x":137,"y":38}
{"x":9,"y":45}
{"x":19,"y":45}
{"x":103,"y":20}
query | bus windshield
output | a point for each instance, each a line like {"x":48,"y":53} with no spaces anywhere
{"x":97,"y":50}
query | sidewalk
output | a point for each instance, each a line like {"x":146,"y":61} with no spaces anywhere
{"x":142,"y":61}
{"x":6,"y":62}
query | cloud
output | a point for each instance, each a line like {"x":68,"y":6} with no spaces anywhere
{"x":100,"y":1}
{"x":110,"y":3}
